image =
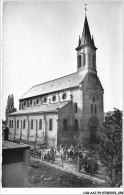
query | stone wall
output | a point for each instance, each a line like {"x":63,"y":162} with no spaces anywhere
{"x":49,"y":99}
{"x":51,"y":135}
{"x":34,"y":134}
{"x":92,"y":94}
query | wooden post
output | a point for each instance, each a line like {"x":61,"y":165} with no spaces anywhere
{"x":78,"y":163}
{"x":62,"y":159}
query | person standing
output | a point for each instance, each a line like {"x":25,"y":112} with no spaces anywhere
{"x":6,"y":133}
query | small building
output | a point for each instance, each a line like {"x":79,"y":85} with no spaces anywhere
{"x":15,"y":160}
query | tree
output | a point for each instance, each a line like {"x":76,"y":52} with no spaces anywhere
{"x":10,"y":105}
{"x":111,"y":147}
{"x":90,"y":161}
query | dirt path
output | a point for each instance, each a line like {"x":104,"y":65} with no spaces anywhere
{"x":42,"y":175}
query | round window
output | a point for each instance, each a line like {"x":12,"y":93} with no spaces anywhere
{"x":45,"y":99}
{"x":64,"y":96}
{"x":93,"y":99}
{"x":54,"y":98}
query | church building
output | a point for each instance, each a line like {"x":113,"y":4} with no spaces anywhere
{"x":66,"y":110}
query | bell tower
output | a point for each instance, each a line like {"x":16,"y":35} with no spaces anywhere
{"x":86,"y":50}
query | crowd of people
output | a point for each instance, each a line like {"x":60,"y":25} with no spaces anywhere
{"x":36,"y":154}
{"x":49,"y":156}
{"x":69,"y":154}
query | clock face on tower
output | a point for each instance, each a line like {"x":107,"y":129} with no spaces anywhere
{"x":81,"y":51}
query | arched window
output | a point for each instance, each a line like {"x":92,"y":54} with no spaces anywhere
{"x":24,"y":124}
{"x":95,"y":109}
{"x":40,"y":124}
{"x":65,"y":124}
{"x":50,"y":124}
{"x":12,"y":123}
{"x":37,"y":101}
{"x":31,"y":102}
{"x":17,"y":124}
{"x":27,"y":104}
{"x":45,"y":99}
{"x":76,"y":125}
{"x":31,"y":123}
{"x":75,"y":107}
{"x":64,"y":96}
{"x":88,"y":59}
{"x":79,"y":61}
{"x":54,"y":98}
{"x":91,"y":108}
{"x":84,"y":59}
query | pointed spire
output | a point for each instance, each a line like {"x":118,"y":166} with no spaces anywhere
{"x":93,"y":41}
{"x":79,"y":42}
{"x":86,"y":36}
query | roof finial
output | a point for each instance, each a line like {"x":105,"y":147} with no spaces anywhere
{"x":85,"y":9}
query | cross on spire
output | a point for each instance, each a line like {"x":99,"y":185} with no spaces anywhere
{"x":85,"y":9}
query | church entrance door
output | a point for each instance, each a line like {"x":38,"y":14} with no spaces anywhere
{"x":93,"y":127}
{"x":93,"y":135}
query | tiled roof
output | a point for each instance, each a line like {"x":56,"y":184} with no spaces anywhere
{"x":41,"y":109}
{"x":61,"y":83}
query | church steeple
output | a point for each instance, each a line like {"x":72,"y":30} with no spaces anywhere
{"x":86,"y":36}
{"x":86,"y":50}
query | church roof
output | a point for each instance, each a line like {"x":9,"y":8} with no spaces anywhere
{"x":69,"y":81}
{"x":42,"y":109}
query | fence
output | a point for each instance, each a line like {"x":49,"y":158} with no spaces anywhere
{"x":66,"y":161}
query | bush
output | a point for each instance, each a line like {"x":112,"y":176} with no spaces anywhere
{"x":90,"y":165}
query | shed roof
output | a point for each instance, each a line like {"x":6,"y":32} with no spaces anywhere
{"x":68,"y":81}
{"x":42,"y":109}
{"x":13,"y":145}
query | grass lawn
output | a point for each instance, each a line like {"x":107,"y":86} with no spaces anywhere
{"x":42,"y":175}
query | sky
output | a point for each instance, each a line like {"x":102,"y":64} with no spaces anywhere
{"x":39,"y":40}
